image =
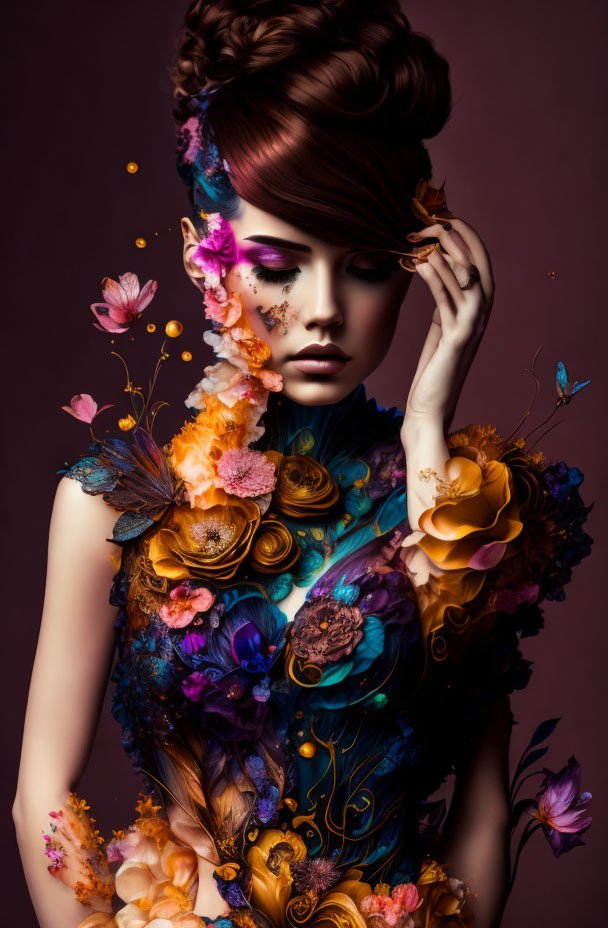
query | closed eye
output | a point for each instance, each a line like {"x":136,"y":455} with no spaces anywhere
{"x":269,"y":275}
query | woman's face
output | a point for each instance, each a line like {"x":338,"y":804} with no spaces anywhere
{"x":327,"y":312}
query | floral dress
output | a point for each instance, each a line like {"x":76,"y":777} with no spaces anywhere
{"x":306,"y":745}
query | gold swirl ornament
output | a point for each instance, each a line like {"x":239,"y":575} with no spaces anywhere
{"x":304,"y":487}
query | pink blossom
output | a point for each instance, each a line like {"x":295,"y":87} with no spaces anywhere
{"x":509,"y":600}
{"x":194,"y":685}
{"x":403,"y":900}
{"x":217,"y":251}
{"x":270,"y":380}
{"x":191,"y":126}
{"x":123,"y":848}
{"x":83,"y":406}
{"x":487,"y":556}
{"x":244,"y":472}
{"x":123,"y":302}
{"x":186,"y":604}
{"x":226,"y":312}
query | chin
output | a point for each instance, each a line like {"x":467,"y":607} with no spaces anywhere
{"x":316,"y":391}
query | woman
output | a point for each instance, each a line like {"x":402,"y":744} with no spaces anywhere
{"x":318,"y":602}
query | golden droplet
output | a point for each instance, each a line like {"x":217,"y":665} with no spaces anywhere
{"x":132,"y":167}
{"x":140,"y":242}
{"x":127,"y":423}
{"x":252,"y":835}
{"x":203,"y":214}
{"x":308,"y":749}
{"x":291,"y":804}
{"x":150,"y":327}
{"x":324,"y":625}
{"x":552,"y":275}
{"x":186,"y":355}
{"x":174,"y":328}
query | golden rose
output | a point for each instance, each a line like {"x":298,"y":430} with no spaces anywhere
{"x":206,"y":543}
{"x":304,"y":487}
{"x":274,"y":548}
{"x":476,"y":507}
{"x":445,"y":900}
{"x":269,"y":860}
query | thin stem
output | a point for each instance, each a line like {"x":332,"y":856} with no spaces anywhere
{"x":513,"y":793}
{"x":529,"y":830}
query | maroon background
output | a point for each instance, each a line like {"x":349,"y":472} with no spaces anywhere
{"x":524,"y":164}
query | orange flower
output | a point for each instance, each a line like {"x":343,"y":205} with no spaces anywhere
{"x":304,"y":487}
{"x":274,"y":548}
{"x":207,"y":543}
{"x":429,"y":202}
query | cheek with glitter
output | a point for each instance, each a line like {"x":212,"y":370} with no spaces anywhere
{"x":280,"y":316}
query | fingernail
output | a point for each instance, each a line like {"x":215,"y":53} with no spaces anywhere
{"x":412,"y":236}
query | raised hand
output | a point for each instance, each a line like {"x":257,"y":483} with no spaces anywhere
{"x":459,"y":275}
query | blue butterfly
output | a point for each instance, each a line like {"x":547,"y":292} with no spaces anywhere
{"x":565,"y":389}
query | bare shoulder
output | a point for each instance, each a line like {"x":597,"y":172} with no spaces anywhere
{"x":86,"y":518}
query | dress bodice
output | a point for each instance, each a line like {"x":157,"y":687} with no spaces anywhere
{"x":314,"y":734}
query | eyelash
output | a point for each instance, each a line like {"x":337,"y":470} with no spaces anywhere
{"x":289,"y":275}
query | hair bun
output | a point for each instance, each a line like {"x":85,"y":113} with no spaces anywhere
{"x":227,"y":39}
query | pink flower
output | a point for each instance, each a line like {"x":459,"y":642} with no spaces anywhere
{"x":83,"y":407}
{"x":509,"y":600}
{"x":186,"y":604}
{"x":226,"y":312}
{"x":395,"y":908}
{"x":218,"y":251}
{"x":194,"y":685}
{"x":191,"y":127}
{"x":123,"y":302}
{"x":244,"y":472}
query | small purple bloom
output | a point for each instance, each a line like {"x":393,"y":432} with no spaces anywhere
{"x":561,"y":809}
{"x":194,"y":641}
{"x":218,"y":251}
{"x":194,"y":685}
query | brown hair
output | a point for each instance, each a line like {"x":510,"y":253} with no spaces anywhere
{"x":321,"y":109}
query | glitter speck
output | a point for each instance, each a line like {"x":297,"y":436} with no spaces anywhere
{"x":140,"y":242}
{"x":132,"y":167}
{"x":552,"y":275}
{"x":186,"y":355}
{"x":150,"y":327}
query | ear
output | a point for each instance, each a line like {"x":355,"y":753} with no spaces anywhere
{"x":191,"y":241}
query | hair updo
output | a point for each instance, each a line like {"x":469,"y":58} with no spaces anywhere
{"x":313,"y":111}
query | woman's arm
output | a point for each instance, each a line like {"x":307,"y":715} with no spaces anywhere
{"x":475,"y":844}
{"x":71,"y":668}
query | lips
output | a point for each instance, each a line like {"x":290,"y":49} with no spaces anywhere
{"x":320,"y":359}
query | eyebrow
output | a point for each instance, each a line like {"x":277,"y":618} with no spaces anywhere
{"x":279,"y":242}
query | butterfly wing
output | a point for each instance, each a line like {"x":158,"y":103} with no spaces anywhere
{"x":561,"y":378}
{"x":579,"y":386}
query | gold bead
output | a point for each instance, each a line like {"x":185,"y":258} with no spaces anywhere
{"x":174,"y":328}
{"x":127,"y":423}
{"x":132,"y":167}
{"x":308,"y":749}
{"x":140,"y":242}
{"x":151,"y":327}
{"x":186,"y":355}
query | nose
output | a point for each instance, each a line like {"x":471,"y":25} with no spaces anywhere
{"x":322,"y":309}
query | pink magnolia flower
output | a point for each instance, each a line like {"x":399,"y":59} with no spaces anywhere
{"x":244,"y":472}
{"x":186,"y":604}
{"x":83,"y":406}
{"x":123,"y":301}
{"x":217,"y":251}
{"x":226,"y":312}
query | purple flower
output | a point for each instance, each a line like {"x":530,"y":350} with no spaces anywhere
{"x":314,"y":874}
{"x":218,"y":251}
{"x":560,"y":808}
{"x":194,"y":685}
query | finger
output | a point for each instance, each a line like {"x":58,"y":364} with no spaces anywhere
{"x":442,"y":296}
{"x":448,"y":277}
{"x":452,"y":242}
{"x":479,"y":253}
